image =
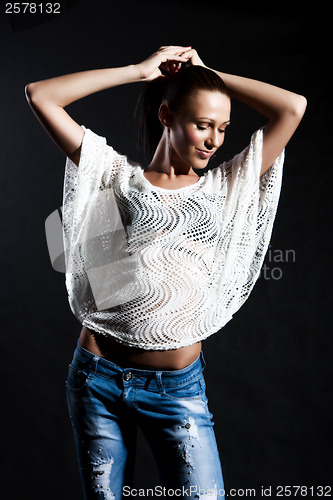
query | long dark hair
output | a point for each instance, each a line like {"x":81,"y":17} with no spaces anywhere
{"x":175,"y":89}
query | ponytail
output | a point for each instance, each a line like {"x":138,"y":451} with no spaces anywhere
{"x":149,"y":127}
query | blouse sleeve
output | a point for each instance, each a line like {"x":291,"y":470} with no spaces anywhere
{"x":248,"y":187}
{"x":250,"y":206}
{"x":87,"y":188}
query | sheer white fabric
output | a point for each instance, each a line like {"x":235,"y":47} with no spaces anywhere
{"x":162,"y":269}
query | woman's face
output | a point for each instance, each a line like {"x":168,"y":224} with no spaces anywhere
{"x":198,"y":131}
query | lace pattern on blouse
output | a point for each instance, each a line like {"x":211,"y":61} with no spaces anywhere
{"x":162,"y":269}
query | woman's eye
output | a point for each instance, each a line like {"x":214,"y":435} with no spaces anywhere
{"x":201,"y":127}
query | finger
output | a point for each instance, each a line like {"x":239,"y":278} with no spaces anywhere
{"x":173,"y":57}
{"x":176,"y":67}
{"x":174,"y":51}
{"x":188,"y":53}
{"x":175,"y":47}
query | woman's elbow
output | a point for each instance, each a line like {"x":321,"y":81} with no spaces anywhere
{"x":29,"y":90}
{"x":299,"y":106}
{"x":294,"y":110}
{"x":34,"y":93}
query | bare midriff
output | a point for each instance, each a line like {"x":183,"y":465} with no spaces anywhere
{"x":112,"y":350}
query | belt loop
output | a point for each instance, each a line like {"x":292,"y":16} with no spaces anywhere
{"x":203,"y":362}
{"x":94,"y":363}
{"x":159,"y":381}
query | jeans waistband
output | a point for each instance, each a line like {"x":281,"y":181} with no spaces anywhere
{"x":82,"y":355}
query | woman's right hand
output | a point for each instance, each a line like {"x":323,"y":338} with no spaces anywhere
{"x":168,"y":58}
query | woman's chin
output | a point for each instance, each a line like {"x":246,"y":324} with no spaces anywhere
{"x":200,"y":164}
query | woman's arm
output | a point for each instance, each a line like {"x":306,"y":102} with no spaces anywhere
{"x":48,"y":98}
{"x":283,"y":109}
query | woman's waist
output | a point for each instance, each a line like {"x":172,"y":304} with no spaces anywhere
{"x":123,"y":355}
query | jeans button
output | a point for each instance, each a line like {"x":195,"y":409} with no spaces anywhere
{"x":128,"y":376}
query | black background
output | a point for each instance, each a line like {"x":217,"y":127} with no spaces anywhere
{"x":269,"y":372}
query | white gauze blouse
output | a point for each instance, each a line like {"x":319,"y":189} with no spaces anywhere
{"x":161,"y":269}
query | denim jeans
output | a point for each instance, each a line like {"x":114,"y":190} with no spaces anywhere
{"x":107,"y":402}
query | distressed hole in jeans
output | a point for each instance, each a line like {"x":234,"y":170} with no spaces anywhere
{"x":100,"y":479}
{"x":190,"y":438}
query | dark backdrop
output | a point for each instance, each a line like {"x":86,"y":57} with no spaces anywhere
{"x":269,"y":371}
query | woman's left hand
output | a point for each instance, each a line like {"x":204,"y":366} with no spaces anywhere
{"x":195,"y":59}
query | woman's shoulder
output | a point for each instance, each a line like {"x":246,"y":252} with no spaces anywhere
{"x":99,"y":144}
{"x":100,"y":164}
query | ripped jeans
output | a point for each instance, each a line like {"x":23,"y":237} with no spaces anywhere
{"x":106,"y":403}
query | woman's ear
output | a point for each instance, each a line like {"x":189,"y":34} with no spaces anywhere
{"x":164,"y":114}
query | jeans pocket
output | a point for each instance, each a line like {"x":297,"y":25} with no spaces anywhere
{"x":78,"y":379}
{"x":186,"y":390}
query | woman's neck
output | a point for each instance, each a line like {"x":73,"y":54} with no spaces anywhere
{"x":168,"y":164}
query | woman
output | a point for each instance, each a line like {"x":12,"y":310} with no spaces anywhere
{"x":159,"y":259}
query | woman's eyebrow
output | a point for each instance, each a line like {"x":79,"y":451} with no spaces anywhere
{"x":204,"y":118}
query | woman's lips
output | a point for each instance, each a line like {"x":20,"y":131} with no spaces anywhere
{"x":204,"y":154}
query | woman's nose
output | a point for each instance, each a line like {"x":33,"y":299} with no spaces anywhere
{"x":213,"y":140}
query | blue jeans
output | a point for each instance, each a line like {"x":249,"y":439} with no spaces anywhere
{"x":107,"y":401}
